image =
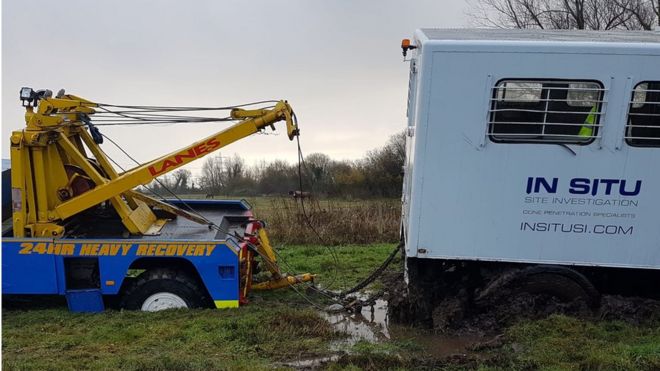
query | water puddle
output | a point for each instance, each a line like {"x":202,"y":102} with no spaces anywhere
{"x":311,"y":363}
{"x":438,"y":346}
{"x":371,"y":324}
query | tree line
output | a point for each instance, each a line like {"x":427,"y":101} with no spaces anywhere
{"x":378,"y":174}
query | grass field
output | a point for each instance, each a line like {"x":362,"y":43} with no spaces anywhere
{"x":277,"y":326}
{"x":281,"y":326}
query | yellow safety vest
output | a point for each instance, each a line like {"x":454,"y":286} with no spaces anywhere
{"x":587,"y":129}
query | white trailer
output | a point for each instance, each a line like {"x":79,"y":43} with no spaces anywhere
{"x":529,"y":148}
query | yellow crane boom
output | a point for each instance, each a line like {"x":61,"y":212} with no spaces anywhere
{"x":54,"y":146}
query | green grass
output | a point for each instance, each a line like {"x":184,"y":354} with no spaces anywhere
{"x":281,"y":326}
{"x":352,"y":264}
{"x":277,"y":326}
{"x":250,"y":338}
{"x":566,"y":343}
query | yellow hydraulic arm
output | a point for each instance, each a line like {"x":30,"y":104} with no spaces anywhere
{"x":50,"y":155}
{"x":252,"y":123}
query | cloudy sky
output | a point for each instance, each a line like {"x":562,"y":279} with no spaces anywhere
{"x":337,"y":62}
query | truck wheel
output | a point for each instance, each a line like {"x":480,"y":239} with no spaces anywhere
{"x":561,"y":282}
{"x":159,"y":289}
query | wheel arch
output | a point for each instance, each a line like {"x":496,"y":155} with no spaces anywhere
{"x":519,"y":275}
{"x":148,"y":263}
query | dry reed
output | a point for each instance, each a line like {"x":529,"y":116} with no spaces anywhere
{"x":336,"y":221}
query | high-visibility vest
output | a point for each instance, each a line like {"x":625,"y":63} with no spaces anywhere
{"x":587,"y":129}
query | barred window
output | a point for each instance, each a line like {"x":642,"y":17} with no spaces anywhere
{"x":643,"y":129}
{"x":545,"y":111}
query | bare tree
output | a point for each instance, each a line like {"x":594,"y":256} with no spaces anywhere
{"x":318,"y":165}
{"x":181,"y":179}
{"x":224,"y":174}
{"x":383,"y":167}
{"x":568,"y":14}
{"x":212,"y":174}
{"x":161,"y":183}
{"x":234,"y":168}
{"x":645,"y":14}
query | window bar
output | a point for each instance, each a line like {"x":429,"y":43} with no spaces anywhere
{"x":545,"y":114}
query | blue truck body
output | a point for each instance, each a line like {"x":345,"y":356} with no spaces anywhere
{"x":33,"y":266}
{"x":37,"y":266}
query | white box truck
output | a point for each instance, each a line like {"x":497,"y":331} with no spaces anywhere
{"x":536,"y":152}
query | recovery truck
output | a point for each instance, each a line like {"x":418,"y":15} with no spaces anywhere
{"x":79,"y":228}
{"x":532,"y":165}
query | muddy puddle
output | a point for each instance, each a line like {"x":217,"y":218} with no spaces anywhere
{"x":312,"y":363}
{"x":371,"y":324}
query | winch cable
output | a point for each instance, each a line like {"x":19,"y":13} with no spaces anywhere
{"x":110,"y":119}
{"x":185,"y":108}
{"x":375,"y":274}
{"x":369,"y":279}
{"x":112,"y":114}
{"x":342,"y":296}
{"x":124,"y":170}
{"x":210,"y":223}
{"x":291,"y":270}
{"x":301,"y":162}
{"x":334,"y":296}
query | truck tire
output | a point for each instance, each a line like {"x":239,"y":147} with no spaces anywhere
{"x":161,"y":288}
{"x":561,"y":282}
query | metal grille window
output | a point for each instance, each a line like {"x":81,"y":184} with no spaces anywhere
{"x":545,"y":111}
{"x":643,"y":129}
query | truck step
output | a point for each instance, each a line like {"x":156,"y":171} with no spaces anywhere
{"x":85,"y":301}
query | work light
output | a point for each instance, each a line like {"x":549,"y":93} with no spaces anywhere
{"x":27,"y":94}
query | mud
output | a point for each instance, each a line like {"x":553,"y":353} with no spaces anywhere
{"x":632,"y":310}
{"x":456,"y":331}
{"x":456,"y":314}
{"x":493,"y":316}
{"x":459,"y":334}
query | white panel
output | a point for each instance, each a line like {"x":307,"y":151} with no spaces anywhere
{"x":469,"y":202}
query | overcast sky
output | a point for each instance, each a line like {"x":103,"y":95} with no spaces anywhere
{"x":337,"y":62}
